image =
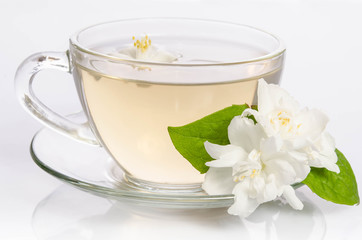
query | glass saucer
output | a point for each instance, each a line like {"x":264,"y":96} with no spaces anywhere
{"x":89,"y":168}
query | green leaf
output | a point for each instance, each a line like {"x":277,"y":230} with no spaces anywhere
{"x":338,"y":188}
{"x":189,"y":139}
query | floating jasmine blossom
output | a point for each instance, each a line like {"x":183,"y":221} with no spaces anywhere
{"x":302,"y":130}
{"x":144,"y":50}
{"x":253,"y":167}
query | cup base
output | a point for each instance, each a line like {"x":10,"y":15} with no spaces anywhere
{"x":124,"y":180}
{"x":143,"y":185}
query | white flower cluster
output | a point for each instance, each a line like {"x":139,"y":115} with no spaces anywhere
{"x":264,"y":159}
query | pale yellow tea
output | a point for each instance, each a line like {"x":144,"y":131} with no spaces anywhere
{"x":132,"y":118}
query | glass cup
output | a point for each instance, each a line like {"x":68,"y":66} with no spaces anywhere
{"x":130,"y":102}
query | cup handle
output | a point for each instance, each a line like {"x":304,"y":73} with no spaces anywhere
{"x":23,"y":85}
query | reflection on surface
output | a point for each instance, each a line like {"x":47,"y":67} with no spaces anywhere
{"x":68,"y":213}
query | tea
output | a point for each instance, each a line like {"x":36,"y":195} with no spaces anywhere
{"x":132,"y":118}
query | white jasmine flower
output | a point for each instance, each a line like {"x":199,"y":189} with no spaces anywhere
{"x":300,"y":129}
{"x":143,"y":50}
{"x":253,"y":167}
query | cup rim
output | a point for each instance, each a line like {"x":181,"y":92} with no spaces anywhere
{"x":77,"y":45}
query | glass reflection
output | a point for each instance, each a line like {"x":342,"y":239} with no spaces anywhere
{"x":68,"y":213}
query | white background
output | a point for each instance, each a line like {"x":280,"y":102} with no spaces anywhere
{"x":323,"y":65}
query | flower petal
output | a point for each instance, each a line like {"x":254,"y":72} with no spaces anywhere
{"x":283,"y":170}
{"x":243,"y":205}
{"x":271,"y":191}
{"x":264,"y":121}
{"x":265,"y":103}
{"x":244,"y":133}
{"x":312,"y":123}
{"x":152,"y":54}
{"x":322,"y":161}
{"x":256,"y":188}
{"x":301,"y":169}
{"x":323,"y":154}
{"x":164,"y":56}
{"x":286,"y":169}
{"x":327,"y":142}
{"x":292,"y":199}
{"x":126,"y":53}
{"x":271,"y":97}
{"x":229,"y":159}
{"x":270,"y":146}
{"x":218,"y":181}
{"x":297,"y":142}
{"x":216,"y":150}
{"x":299,"y":156}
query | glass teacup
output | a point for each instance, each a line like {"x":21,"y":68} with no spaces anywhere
{"x":131,"y":99}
